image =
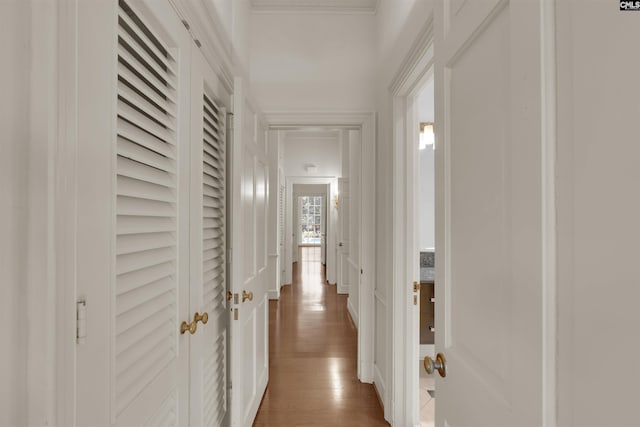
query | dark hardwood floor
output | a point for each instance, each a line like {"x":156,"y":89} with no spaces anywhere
{"x":312,"y":357}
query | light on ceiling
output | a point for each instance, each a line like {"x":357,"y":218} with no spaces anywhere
{"x":426,"y":135}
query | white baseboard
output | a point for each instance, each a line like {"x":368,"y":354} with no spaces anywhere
{"x":381,"y":385}
{"x":427,"y":350}
{"x":342,"y":289}
{"x":352,"y":313}
{"x":273,"y":294}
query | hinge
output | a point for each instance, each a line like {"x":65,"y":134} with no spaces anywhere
{"x":81,"y":321}
{"x":361,"y":271}
{"x":186,"y":24}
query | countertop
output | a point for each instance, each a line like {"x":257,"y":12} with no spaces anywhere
{"x":427,"y":274}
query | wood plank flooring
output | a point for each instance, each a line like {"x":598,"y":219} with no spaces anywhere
{"x":312,"y":357}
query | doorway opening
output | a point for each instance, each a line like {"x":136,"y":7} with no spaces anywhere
{"x":298,"y":143}
{"x":414,"y":248}
{"x":425,"y":220}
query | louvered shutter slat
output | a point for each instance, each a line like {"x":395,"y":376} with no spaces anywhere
{"x":138,"y":296}
{"x":133,"y":280}
{"x":132,"y":336}
{"x":143,"y":241}
{"x":144,"y":189}
{"x":152,"y":81}
{"x":133,"y":168}
{"x":134,"y":354}
{"x":141,"y":260}
{"x":143,"y":122}
{"x":132,"y":319}
{"x":131,"y":385}
{"x":137,"y":151}
{"x":128,"y":76}
{"x":128,"y":29}
{"x":139,"y":207}
{"x":145,"y":106}
{"x":134,"y":225}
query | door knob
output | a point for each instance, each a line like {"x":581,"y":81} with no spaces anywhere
{"x":439,"y":365}
{"x":247,"y":296}
{"x":229,"y":295}
{"x":204,"y":318}
{"x":191,"y":327}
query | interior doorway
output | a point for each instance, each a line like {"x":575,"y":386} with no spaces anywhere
{"x":414,"y":250}
{"x":425,"y":220}
{"x":360,"y":126}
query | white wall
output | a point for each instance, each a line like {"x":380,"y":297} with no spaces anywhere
{"x":426,"y":184}
{"x":323,"y":152}
{"x":313,"y":61}
{"x":14,"y":123}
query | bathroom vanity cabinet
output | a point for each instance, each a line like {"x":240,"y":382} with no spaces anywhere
{"x":427,"y":304}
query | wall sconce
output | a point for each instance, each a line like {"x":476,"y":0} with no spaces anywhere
{"x":426,"y":135}
{"x":335,"y":200}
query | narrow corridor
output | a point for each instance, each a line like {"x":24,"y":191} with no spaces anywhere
{"x":313,"y":348}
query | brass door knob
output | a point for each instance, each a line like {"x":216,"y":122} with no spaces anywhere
{"x":439,"y":365}
{"x":229,"y":295}
{"x":247,"y":296}
{"x":192,"y":327}
{"x":204,"y":318}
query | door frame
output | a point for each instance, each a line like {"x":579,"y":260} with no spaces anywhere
{"x":416,"y":69}
{"x":365,"y":122}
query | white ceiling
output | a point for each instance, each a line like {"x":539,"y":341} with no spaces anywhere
{"x":333,"y":6}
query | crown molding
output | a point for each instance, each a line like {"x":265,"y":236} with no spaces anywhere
{"x":366,"y":7}
{"x":419,"y":58}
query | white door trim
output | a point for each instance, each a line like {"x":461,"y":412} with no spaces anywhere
{"x":415,"y":71}
{"x":366,"y":122}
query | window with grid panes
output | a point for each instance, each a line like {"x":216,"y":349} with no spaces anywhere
{"x":310,"y":220}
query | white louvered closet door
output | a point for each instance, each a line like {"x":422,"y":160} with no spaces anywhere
{"x":151,"y":242}
{"x":209,"y":345}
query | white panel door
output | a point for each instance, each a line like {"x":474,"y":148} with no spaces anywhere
{"x":208,"y":246}
{"x":489,"y":280}
{"x":598,"y":211}
{"x":250,"y":321}
{"x":343,"y":235}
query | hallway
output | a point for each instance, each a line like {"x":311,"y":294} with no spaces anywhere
{"x":312,"y":353}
